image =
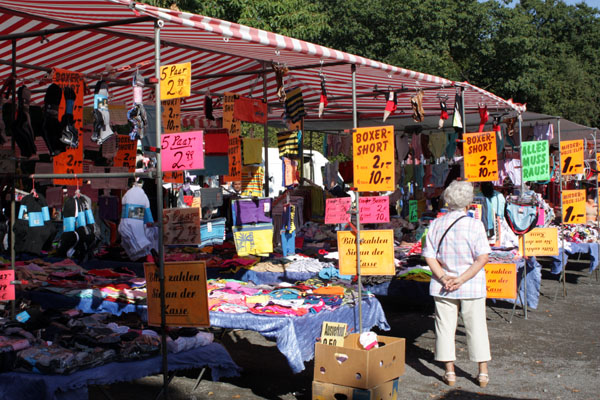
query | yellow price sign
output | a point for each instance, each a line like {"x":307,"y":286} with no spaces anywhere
{"x":571,"y":157}
{"x":501,"y":281}
{"x":376,"y":252}
{"x":373,"y":151}
{"x":481,"y":157}
{"x":598,"y":164}
{"x":175,"y":81}
{"x":540,"y":242}
{"x":573,"y":206}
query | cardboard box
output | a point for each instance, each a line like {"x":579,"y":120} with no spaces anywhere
{"x":330,"y":391}
{"x":363,"y":369}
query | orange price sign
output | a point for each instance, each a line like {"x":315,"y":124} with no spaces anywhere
{"x":173,"y":177}
{"x":598,"y":164}
{"x":501,"y":281}
{"x":373,"y":162}
{"x":376,"y":252}
{"x":571,"y":157}
{"x":540,"y":242}
{"x":171,"y":116}
{"x":573,"y":206}
{"x":175,"y":80}
{"x":481,"y":158}
{"x":71,"y":160}
{"x":235,"y":142}
{"x":126,"y":152}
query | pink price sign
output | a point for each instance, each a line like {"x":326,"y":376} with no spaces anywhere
{"x":336,"y":210}
{"x":181,"y":151}
{"x":7,"y":290}
{"x":374,"y":210}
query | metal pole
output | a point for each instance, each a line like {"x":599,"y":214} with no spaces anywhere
{"x":521,"y":160}
{"x":355,"y":125}
{"x":92,"y":175}
{"x":159,"y":206}
{"x":562,"y":263}
{"x":13,"y":213}
{"x":266,"y":133}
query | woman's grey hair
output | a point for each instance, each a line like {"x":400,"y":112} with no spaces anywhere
{"x":458,"y":195}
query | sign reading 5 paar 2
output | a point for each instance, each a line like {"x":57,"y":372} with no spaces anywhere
{"x":175,"y":81}
{"x":373,"y":151}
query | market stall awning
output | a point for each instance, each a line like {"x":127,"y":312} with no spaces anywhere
{"x":225,"y":57}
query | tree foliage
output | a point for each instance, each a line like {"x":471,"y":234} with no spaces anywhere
{"x":541,"y":52}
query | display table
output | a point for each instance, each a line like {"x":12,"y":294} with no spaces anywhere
{"x":30,"y":386}
{"x":296,"y":336}
{"x":570,"y":249}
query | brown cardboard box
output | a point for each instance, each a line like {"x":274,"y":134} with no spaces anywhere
{"x":363,"y":369}
{"x":329,"y":391}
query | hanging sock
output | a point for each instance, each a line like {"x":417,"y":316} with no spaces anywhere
{"x":52,"y":130}
{"x":70,"y":135}
{"x":22,"y":127}
{"x":484,"y":115}
{"x":208,"y":108}
{"x":416,"y":102}
{"x":390,"y":105}
{"x":443,"y":114}
{"x":137,"y":114}
{"x":102,"y":130}
{"x":280,"y":72}
{"x":457,"y":121}
{"x":323,"y":100}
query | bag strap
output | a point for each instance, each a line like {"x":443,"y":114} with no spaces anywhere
{"x":444,"y":235}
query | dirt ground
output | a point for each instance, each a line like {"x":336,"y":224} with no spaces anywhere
{"x":553,"y":354}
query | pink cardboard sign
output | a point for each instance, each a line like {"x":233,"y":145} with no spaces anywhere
{"x":181,"y":151}
{"x":336,"y":210}
{"x":7,"y":290}
{"x":374,"y":210}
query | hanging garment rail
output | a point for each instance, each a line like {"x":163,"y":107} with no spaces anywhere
{"x":90,"y":175}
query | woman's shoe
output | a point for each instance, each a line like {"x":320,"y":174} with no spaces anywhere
{"x":483,"y":380}
{"x":449,"y":378}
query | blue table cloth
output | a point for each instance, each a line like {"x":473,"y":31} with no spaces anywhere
{"x":296,"y":336}
{"x":575,"y":248}
{"x":30,"y":386}
{"x":533,"y":281}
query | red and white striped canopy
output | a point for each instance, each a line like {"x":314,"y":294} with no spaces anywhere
{"x":214,"y":47}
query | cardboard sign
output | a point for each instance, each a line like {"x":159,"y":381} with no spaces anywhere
{"x":181,"y":225}
{"x":336,"y":210}
{"x":186,"y":297}
{"x":333,"y":333}
{"x":573,"y":206}
{"x":126,"y":152}
{"x":7,"y":290}
{"x":175,"y":80}
{"x":540,"y":242}
{"x":374,"y":210}
{"x":171,"y":115}
{"x":501,"y":281}
{"x":536,"y":161}
{"x":373,"y":161}
{"x":71,"y":160}
{"x":235,"y":142}
{"x":413,"y":210}
{"x":376,"y":252}
{"x":571,"y":154}
{"x":481,"y":158}
{"x":182,"y":151}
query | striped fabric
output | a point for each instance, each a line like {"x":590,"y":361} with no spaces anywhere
{"x":252,"y":181}
{"x":294,"y":104}
{"x":288,"y":143}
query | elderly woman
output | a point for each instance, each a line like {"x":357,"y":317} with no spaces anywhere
{"x":456,"y":250}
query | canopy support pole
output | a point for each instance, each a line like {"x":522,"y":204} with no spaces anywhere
{"x":266,"y":132}
{"x":563,"y":275}
{"x":13,"y":213}
{"x":355,"y":125}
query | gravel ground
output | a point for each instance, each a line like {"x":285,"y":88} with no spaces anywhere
{"x":553,"y":354}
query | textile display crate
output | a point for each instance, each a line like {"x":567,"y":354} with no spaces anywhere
{"x":330,"y":391}
{"x":355,"y":367}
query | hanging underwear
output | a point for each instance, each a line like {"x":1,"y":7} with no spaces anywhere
{"x":437,"y":143}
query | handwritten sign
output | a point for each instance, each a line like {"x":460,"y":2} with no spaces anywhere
{"x":336,"y":210}
{"x":501,"y":281}
{"x":175,"y":80}
{"x":182,"y":151}
{"x":71,"y":160}
{"x":481,"y":158}
{"x":376,"y":252}
{"x":598,"y":164}
{"x":374,"y":209}
{"x":235,"y":142}
{"x":573,"y":206}
{"x":181,"y":225}
{"x":173,"y":177}
{"x":333,"y":333}
{"x":171,"y":115}
{"x":536,"y":160}
{"x":571,"y":154}
{"x":540,"y":242}
{"x":413,"y":210}
{"x":373,"y":151}
{"x":186,"y":297}
{"x":7,"y":290}
{"x":126,"y":152}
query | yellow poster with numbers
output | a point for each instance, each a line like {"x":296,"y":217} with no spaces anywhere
{"x":571,"y":157}
{"x":481,"y":158}
{"x":573,"y":206}
{"x":175,"y":80}
{"x":373,"y":161}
